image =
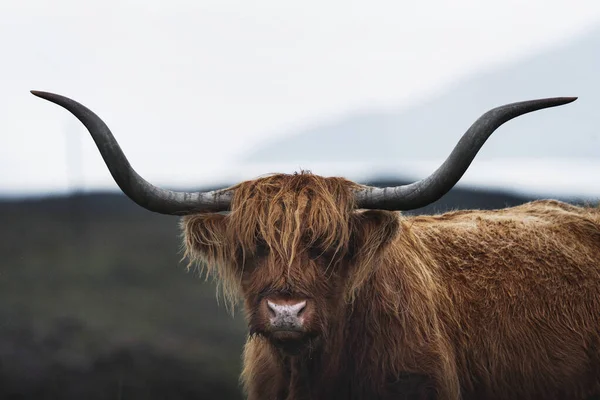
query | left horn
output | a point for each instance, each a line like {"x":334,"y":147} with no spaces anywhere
{"x":426,"y":191}
{"x":133,"y":185}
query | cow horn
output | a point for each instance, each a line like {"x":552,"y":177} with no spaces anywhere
{"x":426,"y":191}
{"x":133,"y":185}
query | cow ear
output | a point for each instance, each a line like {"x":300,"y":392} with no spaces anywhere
{"x":206,"y":244}
{"x":372,"y":232}
{"x":205,"y":236}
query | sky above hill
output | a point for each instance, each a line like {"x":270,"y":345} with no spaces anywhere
{"x":190,"y":87}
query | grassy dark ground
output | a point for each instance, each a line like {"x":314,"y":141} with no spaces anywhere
{"x":95,"y":303}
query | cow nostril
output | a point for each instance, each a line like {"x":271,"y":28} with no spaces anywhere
{"x":301,"y":308}
{"x":272,"y":308}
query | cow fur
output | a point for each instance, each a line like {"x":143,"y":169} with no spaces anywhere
{"x":501,"y":304}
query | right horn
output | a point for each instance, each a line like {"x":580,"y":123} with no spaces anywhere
{"x":426,"y":191}
{"x":139,"y":190}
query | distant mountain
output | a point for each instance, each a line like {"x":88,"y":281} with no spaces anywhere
{"x":431,"y":129}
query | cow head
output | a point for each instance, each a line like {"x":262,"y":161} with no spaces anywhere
{"x":293,"y":248}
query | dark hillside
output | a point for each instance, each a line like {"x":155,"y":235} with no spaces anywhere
{"x":96,"y":304}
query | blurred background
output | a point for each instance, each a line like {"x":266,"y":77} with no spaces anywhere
{"x":95,"y":301}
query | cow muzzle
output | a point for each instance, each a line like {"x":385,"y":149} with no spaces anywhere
{"x":288,"y":318}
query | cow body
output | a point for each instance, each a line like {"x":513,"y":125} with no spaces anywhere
{"x":465,"y":305}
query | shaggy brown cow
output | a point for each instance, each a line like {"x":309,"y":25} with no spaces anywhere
{"x":348,"y":299}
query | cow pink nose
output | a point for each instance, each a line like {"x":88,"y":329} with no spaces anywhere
{"x":286,"y":315}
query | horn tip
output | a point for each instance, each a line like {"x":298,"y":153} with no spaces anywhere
{"x":39,"y":93}
{"x":52,"y":97}
{"x":569,"y":99}
{"x":560,"y":101}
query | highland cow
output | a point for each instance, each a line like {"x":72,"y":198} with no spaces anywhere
{"x":346,"y":298}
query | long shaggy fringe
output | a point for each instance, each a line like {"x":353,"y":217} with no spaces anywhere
{"x":292,"y":213}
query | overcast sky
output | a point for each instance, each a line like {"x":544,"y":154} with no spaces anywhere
{"x":189,"y":86}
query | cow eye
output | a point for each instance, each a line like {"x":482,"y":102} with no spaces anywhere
{"x":315,"y":253}
{"x":262,"y":250}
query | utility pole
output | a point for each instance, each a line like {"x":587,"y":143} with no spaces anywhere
{"x":76,"y":214}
